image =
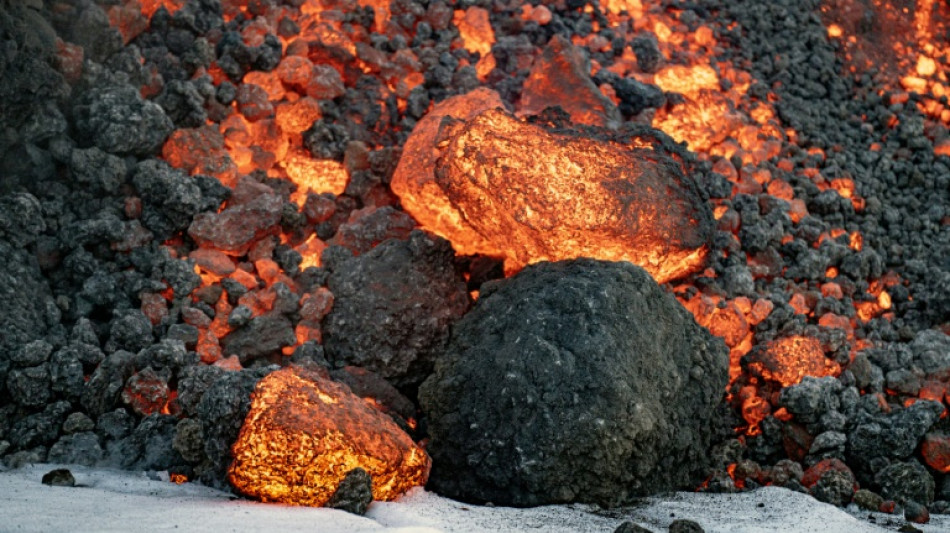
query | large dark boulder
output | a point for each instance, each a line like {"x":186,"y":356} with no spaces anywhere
{"x":576,"y":381}
{"x":393,"y":307}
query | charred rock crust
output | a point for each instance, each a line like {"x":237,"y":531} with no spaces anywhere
{"x":576,"y":381}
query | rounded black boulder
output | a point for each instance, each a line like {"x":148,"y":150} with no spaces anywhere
{"x":576,"y":381}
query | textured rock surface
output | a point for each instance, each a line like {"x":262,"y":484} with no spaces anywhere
{"x":304,"y":436}
{"x":545,"y":192}
{"x":396,"y":328}
{"x":572,"y":381}
{"x":561,"y":76}
{"x":119,"y":120}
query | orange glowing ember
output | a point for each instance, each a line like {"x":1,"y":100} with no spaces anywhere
{"x":475,"y":29}
{"x":790,"y":359}
{"x":304,"y":433}
{"x":498,"y":186}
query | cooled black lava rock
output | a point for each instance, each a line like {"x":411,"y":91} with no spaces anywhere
{"x":262,"y":335}
{"x":102,"y":390}
{"x":630,"y":527}
{"x":60,"y":477}
{"x":98,"y":170}
{"x":879,"y":437}
{"x":78,"y":448}
{"x":170,"y":198}
{"x":21,"y":218}
{"x":393,"y":306}
{"x":148,"y":447}
{"x":573,"y":381}
{"x":834,"y":487}
{"x":867,"y":500}
{"x":681,"y":525}
{"x":908,"y":481}
{"x":28,"y":310}
{"x":914,"y":512}
{"x":354,"y":494}
{"x":118,"y":120}
{"x":221,"y":411}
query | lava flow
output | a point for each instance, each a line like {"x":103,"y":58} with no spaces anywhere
{"x":310,"y":103}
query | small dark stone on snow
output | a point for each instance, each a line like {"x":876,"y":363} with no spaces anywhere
{"x":630,"y":527}
{"x":916,"y":513}
{"x":60,"y":477}
{"x":354,"y":494}
{"x":682,"y":525}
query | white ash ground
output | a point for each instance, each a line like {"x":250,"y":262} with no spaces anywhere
{"x":112,"y":500}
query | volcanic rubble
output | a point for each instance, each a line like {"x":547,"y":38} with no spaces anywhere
{"x":194,"y":194}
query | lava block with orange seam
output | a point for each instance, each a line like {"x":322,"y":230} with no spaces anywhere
{"x":305,"y":433}
{"x":540,"y":190}
{"x":576,"y":381}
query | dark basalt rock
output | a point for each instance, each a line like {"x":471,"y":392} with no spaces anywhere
{"x":28,"y":310}
{"x":354,"y":494}
{"x":118,"y":120}
{"x":905,"y":482}
{"x":393,"y":306}
{"x":681,"y":525}
{"x":61,"y":477}
{"x":630,"y":527}
{"x":221,"y":411}
{"x":576,"y":381}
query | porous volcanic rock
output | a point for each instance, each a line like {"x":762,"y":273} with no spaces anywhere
{"x":576,"y":381}
{"x":397,"y":326}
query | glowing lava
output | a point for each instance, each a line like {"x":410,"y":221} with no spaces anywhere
{"x":304,"y":433}
{"x":508,"y":188}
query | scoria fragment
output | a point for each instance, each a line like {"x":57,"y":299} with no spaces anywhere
{"x":304,"y":433}
{"x":496,"y":185}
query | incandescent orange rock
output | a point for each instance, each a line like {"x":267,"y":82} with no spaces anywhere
{"x":561,"y":76}
{"x":788,"y":360}
{"x":303,"y":434}
{"x":530,"y":191}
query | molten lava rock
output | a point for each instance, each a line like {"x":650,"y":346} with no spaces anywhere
{"x":305,"y":433}
{"x":496,"y":185}
{"x":576,"y":381}
{"x":393,"y":306}
{"x":561,"y":77}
